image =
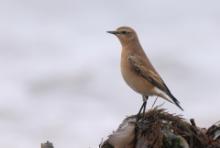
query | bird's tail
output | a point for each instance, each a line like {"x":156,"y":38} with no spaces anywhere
{"x":175,"y":101}
{"x":168,"y":96}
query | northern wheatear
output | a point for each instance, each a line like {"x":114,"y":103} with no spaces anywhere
{"x":137,"y":70}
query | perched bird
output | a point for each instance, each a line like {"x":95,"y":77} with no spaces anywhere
{"x":137,"y":70}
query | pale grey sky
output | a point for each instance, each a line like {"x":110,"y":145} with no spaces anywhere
{"x":61,"y":80}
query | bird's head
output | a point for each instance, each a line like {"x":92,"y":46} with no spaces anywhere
{"x":125,"y":34}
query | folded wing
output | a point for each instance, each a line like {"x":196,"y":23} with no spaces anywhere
{"x":152,"y":77}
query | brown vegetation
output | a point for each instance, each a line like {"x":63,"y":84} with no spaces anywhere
{"x":160,"y":129}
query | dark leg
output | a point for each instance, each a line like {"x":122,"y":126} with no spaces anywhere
{"x":154,"y":102}
{"x":145,"y":98}
{"x":143,"y":106}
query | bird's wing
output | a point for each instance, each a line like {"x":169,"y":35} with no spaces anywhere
{"x":152,"y":77}
{"x":138,"y":66}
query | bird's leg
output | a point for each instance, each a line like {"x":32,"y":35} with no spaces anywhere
{"x":145,"y":98}
{"x":154,"y":102}
{"x":143,"y":106}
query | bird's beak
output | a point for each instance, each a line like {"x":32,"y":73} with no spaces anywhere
{"x":113,"y":32}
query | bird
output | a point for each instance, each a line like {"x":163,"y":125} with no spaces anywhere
{"x":137,"y":70}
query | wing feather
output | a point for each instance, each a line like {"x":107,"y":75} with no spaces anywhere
{"x":152,"y":77}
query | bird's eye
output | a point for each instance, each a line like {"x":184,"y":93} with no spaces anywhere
{"x":124,"y":32}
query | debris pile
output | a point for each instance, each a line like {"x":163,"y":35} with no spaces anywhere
{"x":160,"y":129}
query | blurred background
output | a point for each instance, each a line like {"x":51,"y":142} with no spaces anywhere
{"x":60,"y":73}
